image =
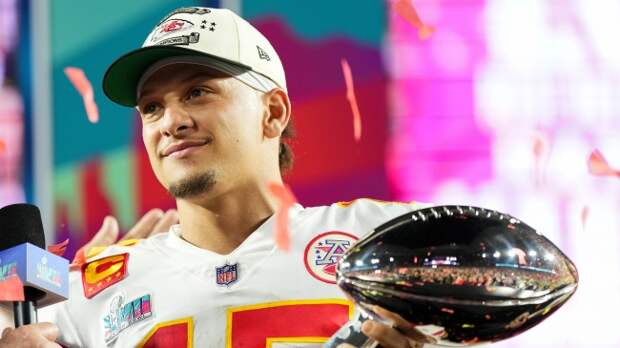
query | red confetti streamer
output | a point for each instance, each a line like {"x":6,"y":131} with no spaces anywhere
{"x":59,"y":249}
{"x":286,"y":200}
{"x":447,"y":310}
{"x":540,"y":145}
{"x":357,"y":118}
{"x":78,"y":260}
{"x":83,"y":86}
{"x":406,"y":10}
{"x":585,"y":213}
{"x":11,"y":289}
{"x":2,"y":146}
{"x":597,"y":165}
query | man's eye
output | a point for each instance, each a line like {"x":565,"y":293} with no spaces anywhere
{"x":149,"y":108}
{"x":196,"y":93}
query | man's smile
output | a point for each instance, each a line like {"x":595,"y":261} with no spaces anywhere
{"x":184,"y":148}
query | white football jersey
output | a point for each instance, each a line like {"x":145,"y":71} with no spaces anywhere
{"x":166,"y":292}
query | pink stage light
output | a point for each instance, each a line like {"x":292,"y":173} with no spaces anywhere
{"x":501,"y":108}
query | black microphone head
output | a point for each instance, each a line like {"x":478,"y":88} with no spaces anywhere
{"x":21,"y":223}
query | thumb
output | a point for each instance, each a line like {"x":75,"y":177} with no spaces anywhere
{"x":47,"y":330}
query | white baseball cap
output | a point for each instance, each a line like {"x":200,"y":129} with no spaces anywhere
{"x":218,"y":38}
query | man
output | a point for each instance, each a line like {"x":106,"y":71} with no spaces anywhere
{"x":211,"y":92}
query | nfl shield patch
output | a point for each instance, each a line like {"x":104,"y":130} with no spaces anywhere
{"x":226,"y":274}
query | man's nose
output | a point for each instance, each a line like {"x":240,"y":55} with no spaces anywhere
{"x":176,"y":120}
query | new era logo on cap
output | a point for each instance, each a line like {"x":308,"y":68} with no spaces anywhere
{"x":262,"y":54}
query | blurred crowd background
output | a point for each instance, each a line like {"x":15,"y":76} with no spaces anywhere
{"x":501,"y":107}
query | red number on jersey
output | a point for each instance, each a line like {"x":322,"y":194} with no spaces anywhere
{"x":174,"y":333}
{"x":259,"y":326}
{"x":308,"y":321}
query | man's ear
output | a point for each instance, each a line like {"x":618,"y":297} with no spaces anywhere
{"x":278,"y":112}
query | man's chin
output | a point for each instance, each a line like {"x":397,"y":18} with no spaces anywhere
{"x":192,"y":186}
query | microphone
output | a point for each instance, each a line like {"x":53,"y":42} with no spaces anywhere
{"x":44,"y":275}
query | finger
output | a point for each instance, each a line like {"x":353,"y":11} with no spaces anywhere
{"x":6,"y":331}
{"x":145,"y":225}
{"x":170,"y":218}
{"x":397,"y":319}
{"x":345,"y":345}
{"x":387,"y":336}
{"x":107,"y":234}
{"x":47,"y":330}
{"x":403,"y":325}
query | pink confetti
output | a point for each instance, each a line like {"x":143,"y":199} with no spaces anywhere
{"x":286,"y":200}
{"x":597,"y":165}
{"x":585,"y":213}
{"x":540,"y":145}
{"x":539,"y":149}
{"x":11,"y":289}
{"x":406,"y":10}
{"x":357,"y":118}
{"x":2,"y":146}
{"x":59,"y":249}
{"x":83,"y":86}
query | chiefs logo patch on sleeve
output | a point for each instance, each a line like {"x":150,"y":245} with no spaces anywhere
{"x":323,"y":252}
{"x":100,"y":274}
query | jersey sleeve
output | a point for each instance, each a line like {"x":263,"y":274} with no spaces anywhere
{"x":368,"y":214}
{"x":67,"y":315}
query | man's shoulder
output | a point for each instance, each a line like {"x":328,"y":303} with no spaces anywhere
{"x":137,"y":248}
{"x":378,"y":203}
{"x":106,"y":266}
{"x":367,"y":206}
{"x":356,"y":217}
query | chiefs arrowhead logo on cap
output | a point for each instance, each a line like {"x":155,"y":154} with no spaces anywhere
{"x":100,"y":274}
{"x":170,"y":27}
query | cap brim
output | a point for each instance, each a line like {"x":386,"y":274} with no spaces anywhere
{"x":121,"y":79}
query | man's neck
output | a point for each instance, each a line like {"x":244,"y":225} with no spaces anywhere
{"x":225,"y":221}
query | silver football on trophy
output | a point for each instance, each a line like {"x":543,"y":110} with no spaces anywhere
{"x":457,"y":275}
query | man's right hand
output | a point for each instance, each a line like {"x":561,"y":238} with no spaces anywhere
{"x":40,"y":335}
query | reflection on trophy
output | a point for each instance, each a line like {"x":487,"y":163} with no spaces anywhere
{"x":455,"y":276}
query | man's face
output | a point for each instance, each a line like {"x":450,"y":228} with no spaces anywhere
{"x":200,"y":128}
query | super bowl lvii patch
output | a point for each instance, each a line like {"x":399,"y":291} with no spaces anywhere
{"x":122,"y":315}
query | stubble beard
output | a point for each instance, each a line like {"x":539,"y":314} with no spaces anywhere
{"x":193,"y":186}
